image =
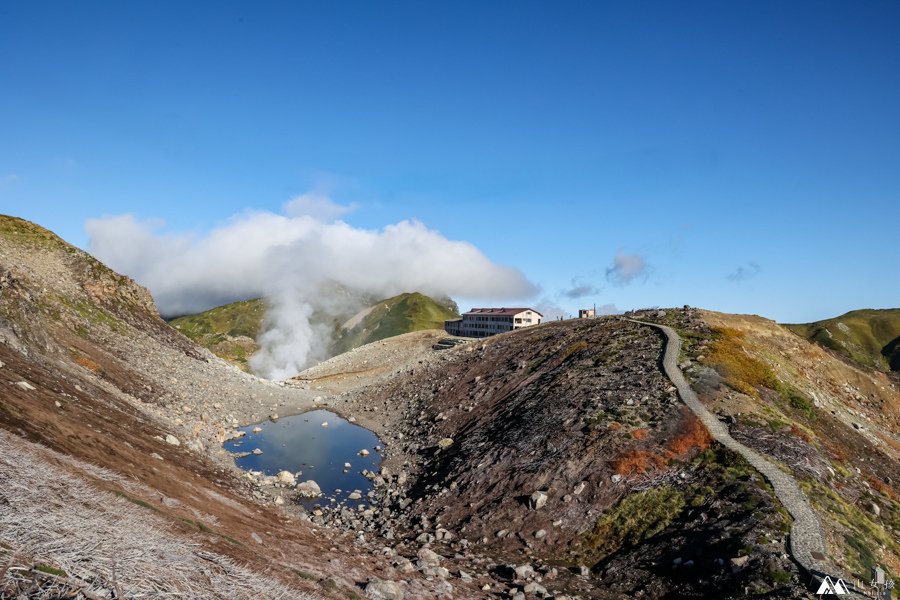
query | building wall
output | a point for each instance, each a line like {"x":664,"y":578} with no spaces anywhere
{"x":484,"y":325}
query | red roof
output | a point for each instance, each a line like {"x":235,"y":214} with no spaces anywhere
{"x":506,"y":312}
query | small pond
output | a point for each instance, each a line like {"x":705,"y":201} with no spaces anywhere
{"x":302,"y":444}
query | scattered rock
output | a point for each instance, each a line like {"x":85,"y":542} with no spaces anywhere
{"x":309,"y":489}
{"x":25,"y":385}
{"x":285,"y":477}
{"x":171,"y":439}
{"x":524,"y":571}
{"x":384,"y":590}
{"x":535,"y":589}
{"x":363,"y":452}
{"x":257,"y":451}
{"x":445,"y":443}
{"x":538,"y":500}
{"x":738,"y":563}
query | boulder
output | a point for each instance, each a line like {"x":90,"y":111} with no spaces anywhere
{"x":285,"y":477}
{"x":738,"y":563}
{"x":309,"y":489}
{"x":429,"y":557}
{"x":171,"y":439}
{"x":524,"y":571}
{"x":384,"y":590}
{"x":538,"y":499}
{"x":445,"y":443}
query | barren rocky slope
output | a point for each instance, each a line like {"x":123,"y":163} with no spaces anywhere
{"x":108,"y":415}
{"x":555,"y":461}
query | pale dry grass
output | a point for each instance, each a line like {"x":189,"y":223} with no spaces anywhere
{"x":106,"y":546}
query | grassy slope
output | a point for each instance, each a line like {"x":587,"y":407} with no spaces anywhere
{"x":394,"y":316}
{"x":235,"y":319}
{"x":216,"y":329}
{"x":869,"y":337}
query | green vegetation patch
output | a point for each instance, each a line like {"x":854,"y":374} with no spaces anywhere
{"x":242,"y":318}
{"x":44,"y":568}
{"x":862,"y":535}
{"x":636,"y":518}
{"x":25,"y":233}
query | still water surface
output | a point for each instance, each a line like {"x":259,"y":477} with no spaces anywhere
{"x":301,"y":443}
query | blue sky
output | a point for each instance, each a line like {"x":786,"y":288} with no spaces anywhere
{"x":747,"y":152}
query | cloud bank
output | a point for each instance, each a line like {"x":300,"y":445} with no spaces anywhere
{"x":288,"y":259}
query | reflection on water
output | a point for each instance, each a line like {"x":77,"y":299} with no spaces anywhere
{"x":301,"y":443}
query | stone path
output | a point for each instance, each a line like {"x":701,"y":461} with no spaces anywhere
{"x":807,"y":540}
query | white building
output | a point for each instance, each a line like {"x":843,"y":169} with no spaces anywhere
{"x":482,"y":322}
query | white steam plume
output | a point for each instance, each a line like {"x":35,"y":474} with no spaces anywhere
{"x":288,"y":259}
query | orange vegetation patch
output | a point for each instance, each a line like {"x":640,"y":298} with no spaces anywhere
{"x":635,"y":462}
{"x":88,"y":364}
{"x":885,"y":489}
{"x":800,"y":434}
{"x":691,"y":435}
{"x":639,"y":434}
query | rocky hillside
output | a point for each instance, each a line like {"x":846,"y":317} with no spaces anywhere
{"x":868,"y":337}
{"x":112,"y":479}
{"x":231,"y":331}
{"x":551,"y":462}
{"x":559,"y":458}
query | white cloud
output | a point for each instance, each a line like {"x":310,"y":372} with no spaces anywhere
{"x":318,"y":206}
{"x":626,"y":268}
{"x":287,"y":259}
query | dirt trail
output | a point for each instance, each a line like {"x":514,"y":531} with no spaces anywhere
{"x":807,"y":539}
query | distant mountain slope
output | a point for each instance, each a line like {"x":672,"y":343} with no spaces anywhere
{"x":394,"y":316}
{"x":869,"y":337}
{"x":230,"y":331}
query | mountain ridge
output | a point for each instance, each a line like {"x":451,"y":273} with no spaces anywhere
{"x":231,"y":331}
{"x":869,"y":337}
